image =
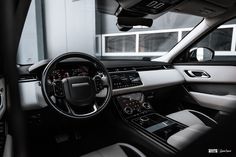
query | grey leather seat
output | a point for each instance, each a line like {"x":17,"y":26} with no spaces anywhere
{"x":192,"y":117}
{"x":186,"y":136}
{"x":116,"y":150}
{"x":197,"y":122}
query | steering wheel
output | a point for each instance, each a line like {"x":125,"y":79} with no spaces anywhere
{"x":77,"y":96}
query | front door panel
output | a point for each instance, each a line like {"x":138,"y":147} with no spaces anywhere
{"x":215,"y":90}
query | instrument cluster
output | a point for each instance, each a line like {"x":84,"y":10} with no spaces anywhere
{"x":65,"y":71}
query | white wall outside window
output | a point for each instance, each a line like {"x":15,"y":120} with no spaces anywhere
{"x":180,"y":31}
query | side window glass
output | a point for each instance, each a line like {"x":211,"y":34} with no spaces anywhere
{"x":219,"y":45}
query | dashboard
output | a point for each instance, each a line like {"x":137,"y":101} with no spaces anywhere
{"x":125,"y":78}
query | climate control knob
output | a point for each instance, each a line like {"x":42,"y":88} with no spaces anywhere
{"x":146,"y":105}
{"x":128,"y":110}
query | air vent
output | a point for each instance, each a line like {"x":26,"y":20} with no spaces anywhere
{"x":120,"y":69}
{"x":28,"y":77}
{"x":140,"y":68}
{"x":146,"y":68}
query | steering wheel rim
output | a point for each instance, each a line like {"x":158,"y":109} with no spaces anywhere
{"x":106,"y":78}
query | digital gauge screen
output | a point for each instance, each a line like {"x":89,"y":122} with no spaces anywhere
{"x":70,"y":70}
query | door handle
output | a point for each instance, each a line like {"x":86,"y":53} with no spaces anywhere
{"x":197,"y":73}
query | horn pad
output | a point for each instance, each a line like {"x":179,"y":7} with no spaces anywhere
{"x":79,"y":90}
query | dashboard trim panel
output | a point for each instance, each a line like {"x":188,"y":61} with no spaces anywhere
{"x":154,"y":79}
{"x":31,"y":95}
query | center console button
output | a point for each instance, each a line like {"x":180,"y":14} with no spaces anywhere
{"x":138,"y":109}
{"x":146,"y":105}
{"x":128,"y":110}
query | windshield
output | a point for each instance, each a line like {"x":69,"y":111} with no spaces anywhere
{"x":58,"y":26}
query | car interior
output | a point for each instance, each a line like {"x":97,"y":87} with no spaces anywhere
{"x":70,"y":102}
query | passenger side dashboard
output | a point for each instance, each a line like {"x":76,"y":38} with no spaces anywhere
{"x":153,"y":79}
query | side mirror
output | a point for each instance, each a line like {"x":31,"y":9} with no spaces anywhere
{"x":201,"y":54}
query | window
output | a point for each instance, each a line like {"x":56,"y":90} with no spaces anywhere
{"x":31,"y":46}
{"x":222,"y":40}
{"x":157,"y":42}
{"x":121,"y":43}
{"x":218,"y":40}
{"x":184,"y":33}
{"x":54,"y":27}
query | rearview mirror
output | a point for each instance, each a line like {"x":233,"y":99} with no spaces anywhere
{"x":201,"y":54}
{"x":127,"y":23}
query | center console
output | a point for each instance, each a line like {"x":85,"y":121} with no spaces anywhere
{"x":137,"y":111}
{"x":133,"y":104}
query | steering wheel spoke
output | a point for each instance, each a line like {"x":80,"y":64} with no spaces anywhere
{"x":101,"y":82}
{"x":69,"y":109}
{"x":105,"y":81}
{"x":102,"y":93}
{"x":77,"y":112}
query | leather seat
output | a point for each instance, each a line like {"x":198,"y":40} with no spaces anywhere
{"x":192,"y":117}
{"x":186,"y":136}
{"x":197,"y":122}
{"x":116,"y":150}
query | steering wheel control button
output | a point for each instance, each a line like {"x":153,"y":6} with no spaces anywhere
{"x":98,"y":83}
{"x":128,"y":110}
{"x":58,"y":89}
